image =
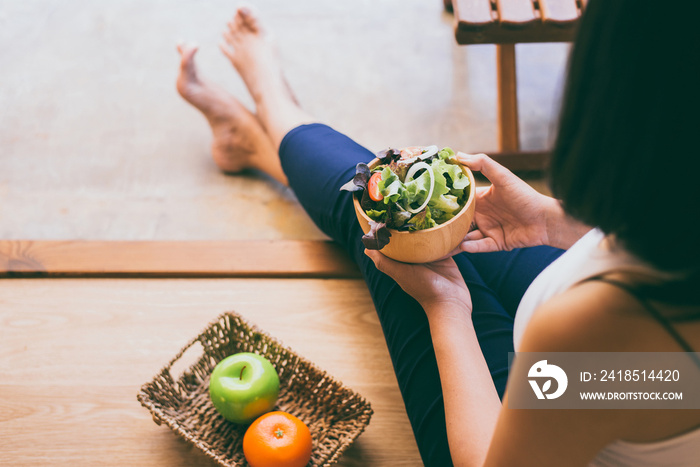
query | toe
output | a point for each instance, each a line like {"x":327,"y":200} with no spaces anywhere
{"x":187,"y":55}
{"x":187,"y":67}
{"x":239,"y":17}
{"x":227,"y":50}
{"x":232,"y":34}
{"x":187,"y":80}
{"x":249,"y":18}
{"x":229,"y":37}
{"x":229,"y":44}
{"x":235,"y":26}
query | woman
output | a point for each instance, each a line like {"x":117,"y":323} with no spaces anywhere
{"x":449,"y":325}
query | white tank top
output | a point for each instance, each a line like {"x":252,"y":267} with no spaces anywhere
{"x":589,"y":257}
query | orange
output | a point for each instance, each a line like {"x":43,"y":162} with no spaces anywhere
{"x":277,"y":439}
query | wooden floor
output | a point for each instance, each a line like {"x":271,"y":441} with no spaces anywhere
{"x":96,"y":145}
{"x":71,"y":366}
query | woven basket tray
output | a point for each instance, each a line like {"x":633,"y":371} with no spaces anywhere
{"x":335,"y":414}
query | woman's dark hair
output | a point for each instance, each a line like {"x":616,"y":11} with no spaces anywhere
{"x":627,"y":154}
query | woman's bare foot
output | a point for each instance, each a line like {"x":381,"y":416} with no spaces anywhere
{"x":253,"y":53}
{"x":240,"y":141}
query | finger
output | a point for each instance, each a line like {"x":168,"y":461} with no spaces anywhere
{"x":452,"y":253}
{"x":488,"y":167}
{"x":484,"y":245}
{"x":473,"y":235}
{"x":470,"y":237}
{"x":377,"y":258}
{"x":386,"y":265}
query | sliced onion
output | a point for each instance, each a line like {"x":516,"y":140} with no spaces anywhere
{"x":409,"y":176}
{"x":428,"y":152}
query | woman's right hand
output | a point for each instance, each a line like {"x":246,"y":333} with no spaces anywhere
{"x":509,"y":213}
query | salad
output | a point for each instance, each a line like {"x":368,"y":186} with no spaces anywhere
{"x":410,"y":189}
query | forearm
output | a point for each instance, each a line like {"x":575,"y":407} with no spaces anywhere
{"x":471,"y":401}
{"x":562,"y":229}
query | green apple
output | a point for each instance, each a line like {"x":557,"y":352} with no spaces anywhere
{"x":244,"y":386}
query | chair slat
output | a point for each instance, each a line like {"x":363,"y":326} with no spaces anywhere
{"x":516,"y":12}
{"x":515,"y":21}
{"x":473,"y":14}
{"x":561,"y":12}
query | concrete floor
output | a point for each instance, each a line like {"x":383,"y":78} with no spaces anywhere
{"x":95,"y":143}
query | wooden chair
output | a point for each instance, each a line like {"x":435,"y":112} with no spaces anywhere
{"x":505,"y":23}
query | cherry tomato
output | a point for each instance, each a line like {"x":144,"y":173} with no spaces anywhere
{"x":373,"y":187}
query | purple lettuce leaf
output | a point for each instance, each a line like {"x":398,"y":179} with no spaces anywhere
{"x":377,"y":237}
{"x":387,"y":156}
{"x":398,"y":217}
{"x":359,"y":181}
{"x":366,"y":202}
{"x":399,"y":169}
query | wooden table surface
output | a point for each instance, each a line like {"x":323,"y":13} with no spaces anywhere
{"x":74,"y":353}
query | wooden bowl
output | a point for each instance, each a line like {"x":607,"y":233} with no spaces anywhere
{"x":424,"y":246}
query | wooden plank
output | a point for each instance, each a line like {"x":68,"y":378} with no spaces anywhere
{"x":516,"y":13}
{"x":507,"y":99}
{"x":534,"y":33}
{"x":76,"y":351}
{"x":559,"y":12}
{"x":473,"y":14}
{"x":23,"y":258}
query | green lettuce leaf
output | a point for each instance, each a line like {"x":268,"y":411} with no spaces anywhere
{"x":417,"y":190}
{"x":441,"y":187}
{"x":390,"y":186}
{"x":445,"y":153}
{"x":376,"y":215}
{"x":440,"y":216}
{"x":422,"y":220}
{"x":459,"y":181}
{"x":446,"y":203}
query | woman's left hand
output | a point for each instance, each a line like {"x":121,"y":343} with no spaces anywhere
{"x":431,"y":284}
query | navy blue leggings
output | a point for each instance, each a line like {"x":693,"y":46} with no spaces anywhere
{"x":318,"y":161}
